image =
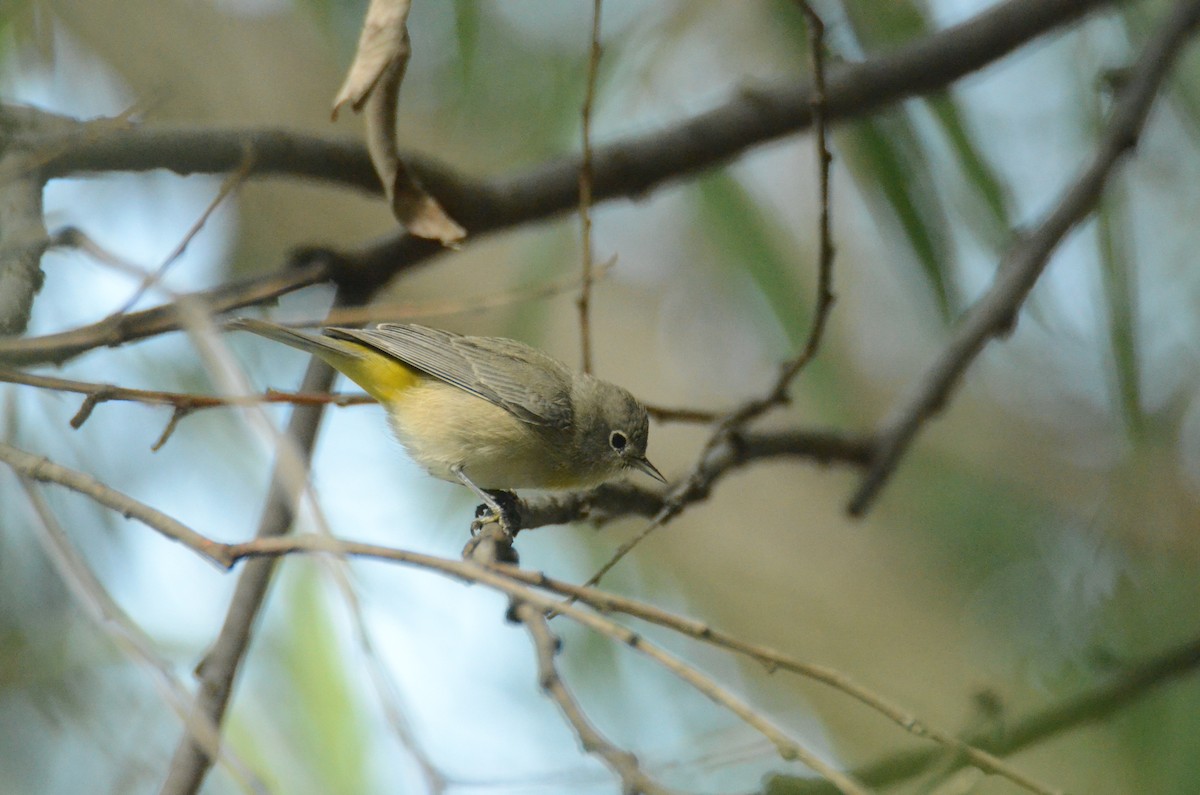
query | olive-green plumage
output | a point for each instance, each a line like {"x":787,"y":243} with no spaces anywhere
{"x":491,"y":412}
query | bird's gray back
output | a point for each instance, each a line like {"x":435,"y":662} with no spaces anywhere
{"x":527,"y":383}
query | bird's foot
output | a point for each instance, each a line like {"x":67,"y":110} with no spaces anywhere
{"x":498,"y":506}
{"x":495,"y":527}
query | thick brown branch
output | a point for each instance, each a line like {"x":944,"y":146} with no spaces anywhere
{"x":22,"y":229}
{"x":613,"y":501}
{"x":308,"y":267}
{"x":629,"y":168}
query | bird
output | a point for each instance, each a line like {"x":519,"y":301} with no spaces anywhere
{"x":491,"y":413}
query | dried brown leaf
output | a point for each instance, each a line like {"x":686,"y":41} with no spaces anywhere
{"x":373,"y":85}
{"x":382,"y":44}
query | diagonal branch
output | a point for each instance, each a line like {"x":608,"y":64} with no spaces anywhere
{"x":43,"y":470}
{"x":217,"y":672}
{"x":623,"y":763}
{"x":772,"y":661}
{"x":1089,"y":707}
{"x":995,"y":314}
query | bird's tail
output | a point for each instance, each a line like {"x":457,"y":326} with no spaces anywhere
{"x":331,"y":350}
{"x":384,"y":377}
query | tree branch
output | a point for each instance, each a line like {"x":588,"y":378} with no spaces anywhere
{"x":773,"y":660}
{"x":995,"y":313}
{"x":627,"y":168}
{"x":612,"y":501}
{"x":191,"y":762}
{"x":1089,"y":707}
{"x":46,"y":471}
{"x":623,"y":763}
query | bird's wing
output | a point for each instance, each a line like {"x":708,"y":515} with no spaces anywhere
{"x":527,"y":383}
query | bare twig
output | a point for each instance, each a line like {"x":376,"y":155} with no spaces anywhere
{"x":584,"y":301}
{"x":307,"y":268}
{"x":995,"y":313}
{"x":825,"y":296}
{"x":191,"y":762}
{"x":118,"y":627}
{"x":185,"y":401}
{"x":231,"y":183}
{"x":699,"y":480}
{"x":773,"y":660}
{"x":600,"y":505}
{"x":975,"y":749}
{"x":42,"y":469}
{"x":1089,"y":707}
{"x":615,"y":500}
{"x":486,"y":575}
{"x":623,"y":763}
{"x":496,"y":548}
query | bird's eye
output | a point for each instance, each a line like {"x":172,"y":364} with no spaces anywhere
{"x":617,"y":440}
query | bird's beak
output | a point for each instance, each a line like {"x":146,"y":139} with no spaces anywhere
{"x":644,"y":465}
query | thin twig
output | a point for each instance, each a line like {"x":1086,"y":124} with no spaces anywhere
{"x":1088,"y":707}
{"x":127,"y":636}
{"x":189,"y":401}
{"x":44,"y":470}
{"x":995,"y":313}
{"x":773,"y":660}
{"x":614,"y":500}
{"x":623,"y":763}
{"x":470,"y":571}
{"x":231,"y":183}
{"x":699,"y":480}
{"x":306,"y":268}
{"x":584,"y":302}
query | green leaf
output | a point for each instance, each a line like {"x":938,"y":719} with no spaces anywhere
{"x":888,"y":163}
{"x":1117,"y":281}
{"x":883,"y":26}
{"x":467,"y":18}
{"x":978,"y":172}
{"x":731,"y":218}
{"x":324,"y":699}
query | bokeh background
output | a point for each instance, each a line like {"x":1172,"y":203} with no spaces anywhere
{"x":1041,"y":534}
